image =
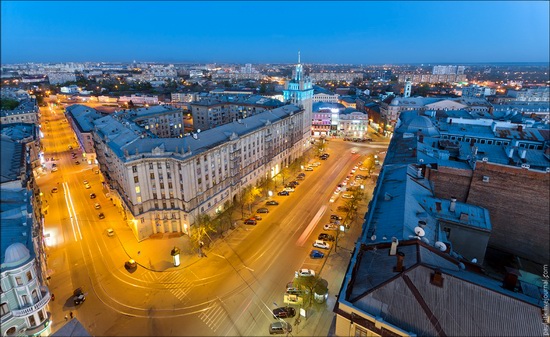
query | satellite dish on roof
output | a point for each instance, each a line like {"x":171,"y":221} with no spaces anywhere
{"x":419,"y":231}
{"x":474,"y":260}
{"x":373,"y":237}
{"x":461,"y":265}
{"x":198,"y":130}
{"x":426,"y":240}
{"x":441,"y":246}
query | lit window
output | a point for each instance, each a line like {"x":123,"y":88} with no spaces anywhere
{"x":137,"y":189}
{"x":29,"y":276}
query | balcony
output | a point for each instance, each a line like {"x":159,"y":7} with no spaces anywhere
{"x":35,"y":307}
{"x":35,"y":331}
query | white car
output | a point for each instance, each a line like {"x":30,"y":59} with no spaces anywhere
{"x":289,"y":189}
{"x":330,"y":227}
{"x":305,"y":272}
{"x":347,"y":196}
{"x":317,"y":163}
{"x":321,"y":244}
{"x":353,"y":151}
{"x":87,"y":186}
{"x":97,"y":205}
{"x":309,"y":168}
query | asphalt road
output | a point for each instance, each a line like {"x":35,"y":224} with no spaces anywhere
{"x":232,"y":292}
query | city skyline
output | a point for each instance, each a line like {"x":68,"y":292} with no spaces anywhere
{"x":242,"y":32}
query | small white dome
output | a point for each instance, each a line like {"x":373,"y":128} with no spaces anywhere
{"x":16,"y":252}
{"x":394,"y":101}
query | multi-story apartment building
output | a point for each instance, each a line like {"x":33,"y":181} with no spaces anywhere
{"x":531,"y":94}
{"x":80,"y":118}
{"x":216,"y":110}
{"x":162,"y":121}
{"x":183,"y":97}
{"x":353,"y":124}
{"x":138,"y":99}
{"x":323,"y":95}
{"x":166,"y":183}
{"x":329,"y":76}
{"x":24,"y":296}
{"x":424,"y":245}
{"x":26,"y":112}
{"x":432,"y":78}
{"x":61,"y":77}
{"x":477,"y":91}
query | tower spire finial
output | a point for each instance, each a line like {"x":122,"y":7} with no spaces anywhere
{"x":298,"y":57}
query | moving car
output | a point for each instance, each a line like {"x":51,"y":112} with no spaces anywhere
{"x":262,"y":210}
{"x":283,"y":193}
{"x":284,"y":312}
{"x":92,"y":195}
{"x":78,"y":296}
{"x":330,"y":227}
{"x":101,"y":216}
{"x":280,"y":328}
{"x":271,"y":203}
{"x":250,"y":222}
{"x":130,"y":264}
{"x":110,"y":232}
{"x":305,"y":272}
{"x":325,"y":237}
{"x":316,"y":254}
{"x":97,"y":205}
{"x":321,"y":244}
{"x":54,"y":190}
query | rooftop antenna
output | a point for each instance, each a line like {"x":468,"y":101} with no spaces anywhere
{"x":298,"y":57}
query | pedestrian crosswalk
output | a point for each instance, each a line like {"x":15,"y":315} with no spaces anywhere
{"x":177,"y":284}
{"x":213,"y":316}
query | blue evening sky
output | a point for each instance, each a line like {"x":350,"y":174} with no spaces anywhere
{"x":272,"y":32}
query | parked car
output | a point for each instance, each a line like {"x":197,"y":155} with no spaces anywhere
{"x":256,"y":217}
{"x":280,"y":327}
{"x":271,"y":203}
{"x":335,"y":217}
{"x":330,"y":227}
{"x":87,"y":186}
{"x":85,"y":182}
{"x":97,"y":205}
{"x":284,"y":312}
{"x":315,"y":164}
{"x":347,"y":196}
{"x":92,"y":195}
{"x":289,"y":189}
{"x":300,"y":177}
{"x":309,"y":168}
{"x":110,"y":232}
{"x":130,"y":264}
{"x":301,"y":174}
{"x":353,"y":151}
{"x":54,"y":190}
{"x":325,"y":237}
{"x":77,"y":162}
{"x":262,"y":210}
{"x":321,"y":244}
{"x":305,"y":272}
{"x":101,"y":216}
{"x":316,"y":254}
{"x":283,"y":193}
{"x":54,"y":169}
{"x":250,"y":222}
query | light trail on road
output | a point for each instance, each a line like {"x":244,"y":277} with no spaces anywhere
{"x":311,"y":226}
{"x":72,"y":211}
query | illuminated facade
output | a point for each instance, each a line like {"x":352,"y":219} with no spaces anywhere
{"x":299,"y":91}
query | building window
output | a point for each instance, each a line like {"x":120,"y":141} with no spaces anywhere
{"x":150,"y":166}
{"x":29,"y":276}
{"x":152,"y":175}
{"x":360,"y":332}
{"x":34,"y":296}
{"x":4,"y":309}
{"x":41,"y":316}
{"x":137,"y":189}
{"x":134,"y":169}
{"x":136,"y":179}
{"x":32,"y":321}
{"x":18,"y":281}
{"x":25,"y":299}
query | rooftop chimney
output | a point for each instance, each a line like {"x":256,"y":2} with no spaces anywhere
{"x":419,"y":173}
{"x":452,"y":206}
{"x":394,"y":243}
{"x":437,"y":278}
{"x":399,"y":267}
{"x":520,"y":128}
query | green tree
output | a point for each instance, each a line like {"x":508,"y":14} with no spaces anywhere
{"x":9,"y":104}
{"x":201,"y":228}
{"x":248,"y":196}
{"x":307,"y":283}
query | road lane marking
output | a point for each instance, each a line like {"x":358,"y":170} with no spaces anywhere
{"x":70,"y":213}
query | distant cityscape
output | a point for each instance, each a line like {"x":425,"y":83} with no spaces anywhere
{"x":398,"y":200}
